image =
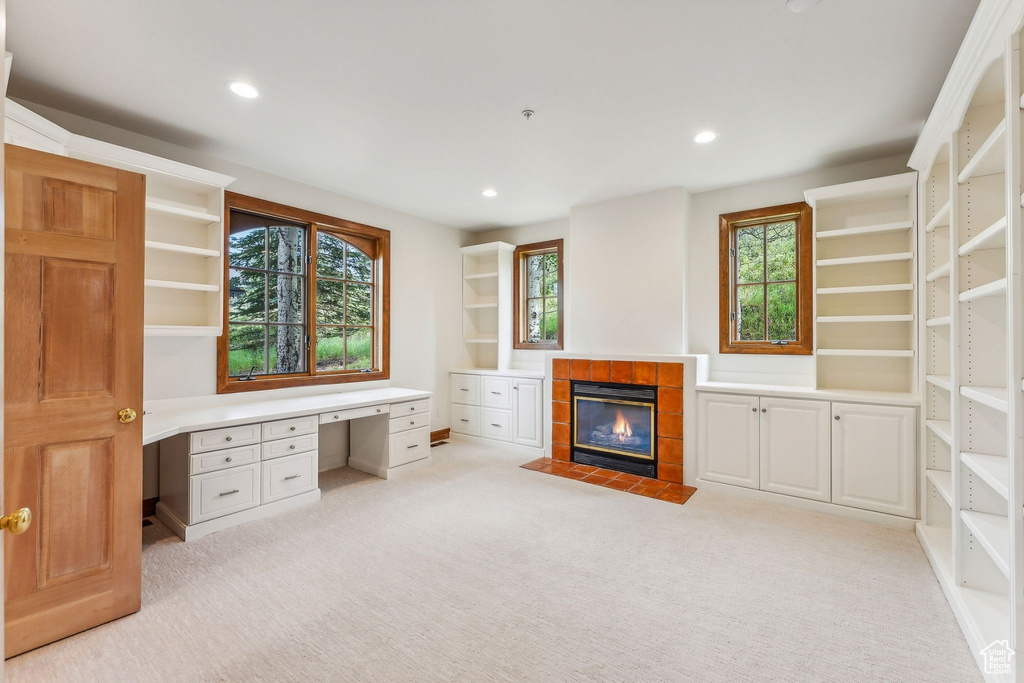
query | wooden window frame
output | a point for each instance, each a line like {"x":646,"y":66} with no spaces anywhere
{"x":375,"y":242}
{"x":727,"y":224}
{"x":518,"y":298}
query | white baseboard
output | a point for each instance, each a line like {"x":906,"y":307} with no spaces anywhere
{"x":389,"y":472}
{"x":503,"y":445}
{"x":190,"y":532}
{"x":880,"y":518}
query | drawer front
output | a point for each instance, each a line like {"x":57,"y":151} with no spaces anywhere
{"x":289,"y":476}
{"x":409,"y":446}
{"x":219,"y":460}
{"x":496,"y":392}
{"x":353,"y":413}
{"x":283,"y":447}
{"x":410,"y":408}
{"x":282,"y":429}
{"x":401,"y":424}
{"x":496,"y":424}
{"x":229,"y":437}
{"x":466,"y":389}
{"x":466,"y":420}
{"x":220,"y":493}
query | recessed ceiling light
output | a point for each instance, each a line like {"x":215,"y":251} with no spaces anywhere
{"x":489,"y":193}
{"x":243,"y":89}
{"x":704,"y":137}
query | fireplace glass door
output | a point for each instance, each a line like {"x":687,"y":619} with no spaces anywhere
{"x":618,"y":427}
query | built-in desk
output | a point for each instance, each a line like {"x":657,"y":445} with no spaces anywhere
{"x":228,"y":463}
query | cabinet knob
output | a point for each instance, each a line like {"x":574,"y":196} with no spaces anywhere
{"x":378,"y":410}
{"x":291,"y":429}
{"x":227,"y":438}
{"x":227,"y":459}
{"x":336,"y":417}
{"x":764,"y":410}
{"x":292,"y":447}
{"x":412,"y":422}
{"x":836,"y":417}
{"x":753,"y":410}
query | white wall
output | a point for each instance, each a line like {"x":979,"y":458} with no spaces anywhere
{"x":702,"y":267}
{"x":626,"y":274}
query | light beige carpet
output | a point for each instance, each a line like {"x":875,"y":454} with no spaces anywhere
{"x":476,"y":570}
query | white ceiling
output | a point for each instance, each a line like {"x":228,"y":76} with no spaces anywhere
{"x":415,"y":104}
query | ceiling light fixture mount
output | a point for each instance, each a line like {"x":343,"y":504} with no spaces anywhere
{"x":243,"y":89}
{"x":705,"y":137}
{"x":490,"y":192}
{"x":527,"y":113}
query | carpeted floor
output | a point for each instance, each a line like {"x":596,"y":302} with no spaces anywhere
{"x":477,"y":570}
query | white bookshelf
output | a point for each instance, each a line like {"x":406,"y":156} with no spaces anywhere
{"x":865,"y":335}
{"x":487,"y":305}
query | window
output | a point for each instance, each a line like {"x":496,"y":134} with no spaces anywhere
{"x":305,"y":299}
{"x":537,"y":304}
{"x":765,"y":281}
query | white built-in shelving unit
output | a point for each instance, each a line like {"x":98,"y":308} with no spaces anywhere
{"x":865,"y":335}
{"x":486,"y":305}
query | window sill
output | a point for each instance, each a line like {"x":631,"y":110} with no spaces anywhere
{"x":234,"y":386}
{"x":768,"y":350}
{"x":522,"y":346}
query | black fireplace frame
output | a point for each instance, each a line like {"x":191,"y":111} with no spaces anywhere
{"x":620,"y":462}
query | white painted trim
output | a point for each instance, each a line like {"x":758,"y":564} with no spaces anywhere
{"x":783,"y":391}
{"x":141,"y":162}
{"x":389,"y":472}
{"x":501,"y":445}
{"x":852,"y":191}
{"x":190,"y":532}
{"x":35,"y":122}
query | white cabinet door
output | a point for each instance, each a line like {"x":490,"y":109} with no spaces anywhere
{"x":729,"y":439}
{"x":873,"y":458}
{"x":528,"y":412}
{"x":795,"y":448}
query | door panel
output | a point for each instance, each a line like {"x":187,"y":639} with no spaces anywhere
{"x":74,"y":253}
{"x":795,"y":448}
{"x":528,"y":412}
{"x":729,"y":428}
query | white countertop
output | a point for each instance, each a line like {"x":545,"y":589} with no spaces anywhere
{"x":783,"y":391}
{"x":526,"y":374}
{"x":162,"y":424}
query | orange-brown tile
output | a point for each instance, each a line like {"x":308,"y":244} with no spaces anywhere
{"x":580,"y":369}
{"x":670,"y":400}
{"x":546,"y":469}
{"x":536,"y":464}
{"x":573,"y":474}
{"x":681,"y":488}
{"x":649,"y":491}
{"x":619,"y":485}
{"x":645,"y":372}
{"x":560,"y":434}
{"x":670,"y":425}
{"x":601,"y":371}
{"x":655,"y":484}
{"x":586,"y":469}
{"x":560,"y":390}
{"x":670,"y":473}
{"x":670,"y":451}
{"x":611,"y":474}
{"x":560,"y":368}
{"x":559,"y":467}
{"x":596,"y":478}
{"x":674,"y":496}
{"x":622,"y":371}
{"x":560,"y":412}
{"x":670,"y":374}
{"x":631,"y":478}
{"x":561,"y":452}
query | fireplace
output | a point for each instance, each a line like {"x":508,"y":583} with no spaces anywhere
{"x":613,"y":427}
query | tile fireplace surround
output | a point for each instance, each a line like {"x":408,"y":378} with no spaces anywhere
{"x":667,"y":377}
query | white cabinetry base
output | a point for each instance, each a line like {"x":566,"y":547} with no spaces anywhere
{"x":190,"y":532}
{"x":382,"y":472}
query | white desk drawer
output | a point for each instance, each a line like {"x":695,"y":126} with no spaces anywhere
{"x":282,"y":429}
{"x":409,"y":446}
{"x":216,"y":494}
{"x":466,"y":389}
{"x":354,"y":413}
{"x":466,"y":420}
{"x":229,"y":437}
{"x":496,"y":424}
{"x":410,"y":408}
{"x":496,"y":392}
{"x":219,"y":460}
{"x":401,"y":424}
{"x":283,"y":447}
{"x":289,"y":476}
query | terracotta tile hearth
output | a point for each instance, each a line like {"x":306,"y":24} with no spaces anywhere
{"x":610,"y":479}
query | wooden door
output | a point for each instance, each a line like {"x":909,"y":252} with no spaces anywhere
{"x":528,"y":413}
{"x":728,"y":437}
{"x":73,"y":359}
{"x":873,"y":458}
{"x":795,"y":448}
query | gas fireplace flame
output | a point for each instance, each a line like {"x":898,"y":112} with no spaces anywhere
{"x":621,"y":428}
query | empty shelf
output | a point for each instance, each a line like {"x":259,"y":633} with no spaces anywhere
{"x":874,"y":258}
{"x":865,"y":318}
{"x":889,"y":353}
{"x":940,"y":272}
{"x":941,"y":381}
{"x":193,"y":215}
{"x":997,"y":288}
{"x":181,"y":249}
{"x":494,"y":305}
{"x":992,"y":237}
{"x":990,"y":157}
{"x":192,"y":286}
{"x":941,"y":428}
{"x":941,"y":218}
{"x":867,"y":289}
{"x":865,"y":230}
{"x":994,"y":470}
{"x":481,"y":341}
{"x":943,"y":484}
{"x":938,"y":322}
{"x":480,"y":276}
{"x":181,"y":331}
{"x":993,"y":397}
{"x":993,"y":532}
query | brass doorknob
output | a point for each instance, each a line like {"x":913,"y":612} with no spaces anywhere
{"x":17,"y":522}
{"x":126,"y":415}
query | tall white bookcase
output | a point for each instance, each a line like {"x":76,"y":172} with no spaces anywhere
{"x":487,"y":305}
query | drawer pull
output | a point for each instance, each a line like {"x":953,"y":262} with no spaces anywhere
{"x":493,"y":424}
{"x":292,"y":447}
{"x":413,"y":446}
{"x":292,"y":428}
{"x":292,"y":476}
{"x":228,"y":493}
{"x":227,"y":438}
{"x":227,"y":459}
{"x":464,"y":419}
{"x":463,"y":389}
{"x":496,"y":393}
